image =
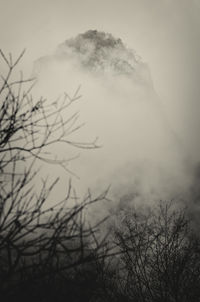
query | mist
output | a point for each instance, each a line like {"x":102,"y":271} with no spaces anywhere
{"x":140,"y":155}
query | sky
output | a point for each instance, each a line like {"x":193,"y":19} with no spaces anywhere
{"x":165,"y":33}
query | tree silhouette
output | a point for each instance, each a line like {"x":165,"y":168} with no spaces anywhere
{"x":40,"y":245}
{"x":160,"y":255}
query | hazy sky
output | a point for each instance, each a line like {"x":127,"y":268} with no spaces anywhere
{"x":165,"y":33}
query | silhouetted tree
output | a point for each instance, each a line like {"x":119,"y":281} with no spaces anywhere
{"x":160,"y":257}
{"x":40,"y":244}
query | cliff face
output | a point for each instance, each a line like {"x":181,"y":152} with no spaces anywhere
{"x":140,"y":154}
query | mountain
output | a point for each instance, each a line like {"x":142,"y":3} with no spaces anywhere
{"x":140,"y":154}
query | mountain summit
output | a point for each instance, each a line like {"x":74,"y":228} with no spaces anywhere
{"x":98,"y":52}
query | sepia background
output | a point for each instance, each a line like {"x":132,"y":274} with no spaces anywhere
{"x":99,"y":150}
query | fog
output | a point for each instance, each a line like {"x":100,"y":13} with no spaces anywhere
{"x":100,"y":150}
{"x":140,"y":154}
